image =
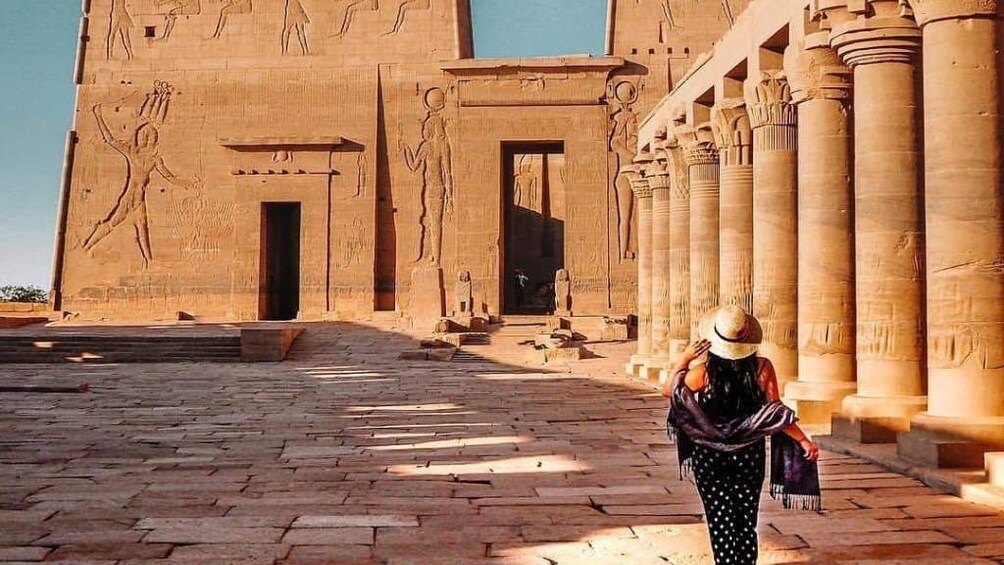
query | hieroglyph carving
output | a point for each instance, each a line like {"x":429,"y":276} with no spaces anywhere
{"x":360,"y":174}
{"x":405,"y":6}
{"x":623,"y":143}
{"x":228,"y":8}
{"x":120,"y":26}
{"x":526,"y":183}
{"x":433,"y":159}
{"x":142,"y":154}
{"x":201,"y":225}
{"x":351,"y":7}
{"x":351,"y":246}
{"x":295,"y":20}
{"x":175,"y":8}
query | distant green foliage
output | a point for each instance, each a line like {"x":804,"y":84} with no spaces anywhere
{"x":15,"y":293}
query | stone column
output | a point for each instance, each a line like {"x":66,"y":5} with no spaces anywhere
{"x":775,"y":219}
{"x":679,"y":252}
{"x":734,"y":138}
{"x":701,"y":156}
{"x":659,"y":183}
{"x":821,"y":89}
{"x":643,"y":195}
{"x":964,"y":199}
{"x":882,"y":50}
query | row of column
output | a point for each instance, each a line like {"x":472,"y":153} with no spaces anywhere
{"x":881,"y":291}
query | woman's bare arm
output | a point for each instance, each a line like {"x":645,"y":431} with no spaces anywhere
{"x":768,"y":383}
{"x":695,"y":380}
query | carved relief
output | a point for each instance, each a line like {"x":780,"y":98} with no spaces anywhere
{"x":733,"y":134}
{"x":201,"y":223}
{"x":526,"y":183}
{"x":433,"y":160}
{"x":816,"y":71}
{"x":465,"y":294}
{"x":142,"y":155}
{"x":623,"y":143}
{"x":728,"y":13}
{"x":360,"y":174}
{"x":769,"y":100}
{"x":177,"y":8}
{"x":350,"y":247}
{"x":120,"y":26}
{"x":295,"y":19}
{"x":405,"y":6}
{"x":228,"y":8}
{"x":351,"y":8}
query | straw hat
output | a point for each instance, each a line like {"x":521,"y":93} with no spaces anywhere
{"x":733,"y":333}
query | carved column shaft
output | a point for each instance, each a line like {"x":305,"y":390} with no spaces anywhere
{"x":888,"y":264}
{"x":659,"y":182}
{"x":679,"y":252}
{"x":643,"y":194}
{"x":821,"y":88}
{"x":735,"y":146}
{"x":775,"y":219}
{"x":964,"y":199}
{"x":702,"y":169}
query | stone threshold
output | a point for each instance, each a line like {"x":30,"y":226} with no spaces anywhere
{"x":966,"y":483}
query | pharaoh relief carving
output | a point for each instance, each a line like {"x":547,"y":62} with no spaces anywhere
{"x":351,"y":7}
{"x":294,"y":21}
{"x":350,"y":249}
{"x":227,"y":9}
{"x":174,"y":9}
{"x":432,"y":159}
{"x":403,"y":7}
{"x":120,"y":26}
{"x":526,"y":183}
{"x":141,"y":152}
{"x":623,"y":143}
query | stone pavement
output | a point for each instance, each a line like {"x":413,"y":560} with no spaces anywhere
{"x":345,"y":454}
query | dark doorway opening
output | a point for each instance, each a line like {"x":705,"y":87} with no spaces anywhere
{"x":279,"y":283}
{"x":533,"y":225}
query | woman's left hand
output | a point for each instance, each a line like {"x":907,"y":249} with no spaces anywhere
{"x":810,"y":448}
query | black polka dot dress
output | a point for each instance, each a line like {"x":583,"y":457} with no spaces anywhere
{"x":729,"y":484}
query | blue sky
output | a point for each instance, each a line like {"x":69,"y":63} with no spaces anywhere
{"x":37,"y":47}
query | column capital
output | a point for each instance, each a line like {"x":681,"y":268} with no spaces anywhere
{"x":927,"y":11}
{"x":698,"y":144}
{"x":733,"y":134}
{"x":815,"y":71}
{"x":871,"y":31}
{"x":639,"y":184}
{"x":768,"y":97}
{"x":679,"y":179}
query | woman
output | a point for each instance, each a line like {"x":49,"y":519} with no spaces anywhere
{"x":720,"y":413}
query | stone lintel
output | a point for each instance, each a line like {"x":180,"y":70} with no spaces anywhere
{"x":250,"y":144}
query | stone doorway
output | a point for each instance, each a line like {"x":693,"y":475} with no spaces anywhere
{"x":279,"y":283}
{"x":533,"y":224}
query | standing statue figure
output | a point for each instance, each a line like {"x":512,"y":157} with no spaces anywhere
{"x":403,"y":7}
{"x":143,"y":158}
{"x":119,"y":25}
{"x":295,"y":19}
{"x":465,"y":295}
{"x":525,"y":184}
{"x":433,"y":159}
{"x":623,"y":142}
{"x":562,"y":293}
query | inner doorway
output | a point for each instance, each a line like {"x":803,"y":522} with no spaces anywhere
{"x":533,"y":225}
{"x":279,"y":282}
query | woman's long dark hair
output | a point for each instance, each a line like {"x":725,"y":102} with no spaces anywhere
{"x":733,"y":389}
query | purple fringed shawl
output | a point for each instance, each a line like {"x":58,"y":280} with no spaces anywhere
{"x":792,"y":477}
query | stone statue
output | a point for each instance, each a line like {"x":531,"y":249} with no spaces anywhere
{"x":465,"y":295}
{"x":623,"y":143}
{"x":562,"y":293}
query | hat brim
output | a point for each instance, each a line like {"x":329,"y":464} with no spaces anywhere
{"x":748,"y":345}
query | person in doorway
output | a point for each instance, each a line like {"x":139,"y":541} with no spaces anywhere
{"x":721,"y":411}
{"x":521,"y":280}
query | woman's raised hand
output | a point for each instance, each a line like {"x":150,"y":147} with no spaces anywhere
{"x":810,"y":448}
{"x":696,"y":350}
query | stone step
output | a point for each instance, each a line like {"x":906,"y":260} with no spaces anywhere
{"x":993,"y":462}
{"x":63,"y":348}
{"x":868,"y":430}
{"x":940,"y":453}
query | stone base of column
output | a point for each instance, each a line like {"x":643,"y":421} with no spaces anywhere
{"x":653,"y":368}
{"x":676,"y":349}
{"x":816,"y":403}
{"x":635,"y":365}
{"x":875,"y":419}
{"x":935,"y":441}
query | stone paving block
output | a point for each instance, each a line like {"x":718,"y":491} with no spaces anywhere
{"x":992,"y":550}
{"x":559,"y":533}
{"x":362,"y":521}
{"x":859,"y":538}
{"x":200,"y":534}
{"x":23,"y":553}
{"x":328,"y":536}
{"x":330,"y":555}
{"x":86,"y":551}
